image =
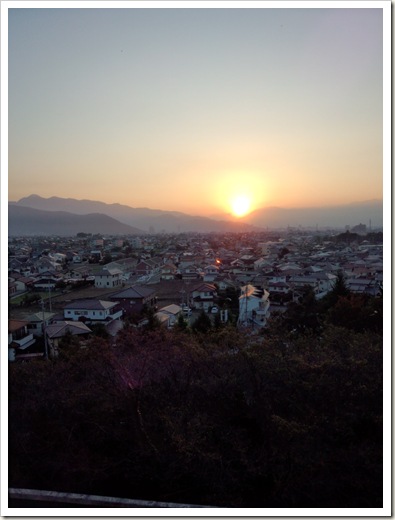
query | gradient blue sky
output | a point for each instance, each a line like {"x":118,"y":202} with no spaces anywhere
{"x":184,"y":108}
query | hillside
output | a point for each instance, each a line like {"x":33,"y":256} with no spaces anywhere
{"x":149,"y":220}
{"x":29,"y":221}
{"x":145,"y":219}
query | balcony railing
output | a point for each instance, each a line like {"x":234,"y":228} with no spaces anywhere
{"x":18,"y":496}
{"x":25,"y":341}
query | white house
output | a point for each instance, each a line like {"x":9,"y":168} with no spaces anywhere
{"x":203,"y":296}
{"x":169,"y":315}
{"x":19,"y":338}
{"x":92,"y":311}
{"x":46,"y":281}
{"x":210,"y":273}
{"x":108,"y":278}
{"x":254,"y":307}
{"x":44,"y":264}
{"x":168,"y":272}
{"x":38,"y":321}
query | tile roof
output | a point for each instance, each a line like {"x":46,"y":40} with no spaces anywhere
{"x":171,"y":309}
{"x":95,"y":305}
{"x":134,"y":292}
{"x":38,"y":317}
{"x":57,"y":330}
{"x":14,"y":325}
{"x":109,"y":272}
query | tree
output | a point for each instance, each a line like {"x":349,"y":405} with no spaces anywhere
{"x":202,"y":323}
{"x":99,"y":330}
{"x":359,"y":312}
{"x":339,"y":289}
{"x":107,"y":258}
{"x":303,"y":316}
{"x":182,"y":323}
{"x":208,"y":419}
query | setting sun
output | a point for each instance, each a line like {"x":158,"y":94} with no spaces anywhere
{"x":241,"y":205}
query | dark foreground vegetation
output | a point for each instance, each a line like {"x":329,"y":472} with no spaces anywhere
{"x":289,"y":418}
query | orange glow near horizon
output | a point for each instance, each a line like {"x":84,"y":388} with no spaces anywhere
{"x":238,"y":192}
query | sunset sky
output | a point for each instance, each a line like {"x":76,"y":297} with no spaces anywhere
{"x":185,"y":109}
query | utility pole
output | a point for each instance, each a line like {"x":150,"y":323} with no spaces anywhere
{"x":50,"y":302}
{"x":44,"y":332}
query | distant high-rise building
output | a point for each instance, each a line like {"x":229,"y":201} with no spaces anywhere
{"x":360,"y":228}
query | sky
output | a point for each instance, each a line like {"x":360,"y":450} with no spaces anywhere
{"x":187,"y":108}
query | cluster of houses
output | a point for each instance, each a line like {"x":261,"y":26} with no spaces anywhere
{"x":175,"y":275}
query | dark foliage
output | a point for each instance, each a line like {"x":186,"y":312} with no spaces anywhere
{"x":293,"y":419}
{"x":202,"y":323}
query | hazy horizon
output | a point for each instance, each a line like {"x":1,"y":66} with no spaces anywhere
{"x":82,"y":199}
{"x":184,"y":109}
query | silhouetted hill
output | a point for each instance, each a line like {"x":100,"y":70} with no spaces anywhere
{"x":148,"y":220}
{"x":155,"y":220}
{"x":29,"y":221}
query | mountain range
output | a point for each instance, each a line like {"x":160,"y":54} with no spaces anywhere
{"x":35,"y":215}
{"x":65,"y":216}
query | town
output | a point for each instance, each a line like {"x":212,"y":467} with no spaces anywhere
{"x":62,"y":286}
{"x":207,"y":370}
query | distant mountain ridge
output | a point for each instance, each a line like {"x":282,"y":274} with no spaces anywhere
{"x":147,"y":220}
{"x":143,"y":220}
{"x":29,"y":221}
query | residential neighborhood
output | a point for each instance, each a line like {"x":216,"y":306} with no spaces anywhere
{"x":56,"y":283}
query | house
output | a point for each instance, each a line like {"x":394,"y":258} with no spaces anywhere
{"x":23,"y":283}
{"x":325,"y":282}
{"x":57,"y":331}
{"x":12,"y":287}
{"x":298,"y":282}
{"x":46,"y":281}
{"x":190,"y":260}
{"x":77,"y":258}
{"x":133,"y":299}
{"x":361,"y":285}
{"x":126,"y":265}
{"x":190,"y":273}
{"x":245,"y":262}
{"x":92,"y":311}
{"x":145,"y":267}
{"x":168,"y":272}
{"x":108,"y":278}
{"x":38,"y":321}
{"x":79,"y":273}
{"x":291,"y":270}
{"x":254,"y":307}
{"x":19,"y":338}
{"x":278,"y":287}
{"x":44,"y":264}
{"x":261,"y":263}
{"x":203,"y":296}
{"x":320,"y":282}
{"x":96,"y":255}
{"x":210,"y":273}
{"x":16,"y":265}
{"x":226,"y":281}
{"x":58,"y":258}
{"x":169,"y":315}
